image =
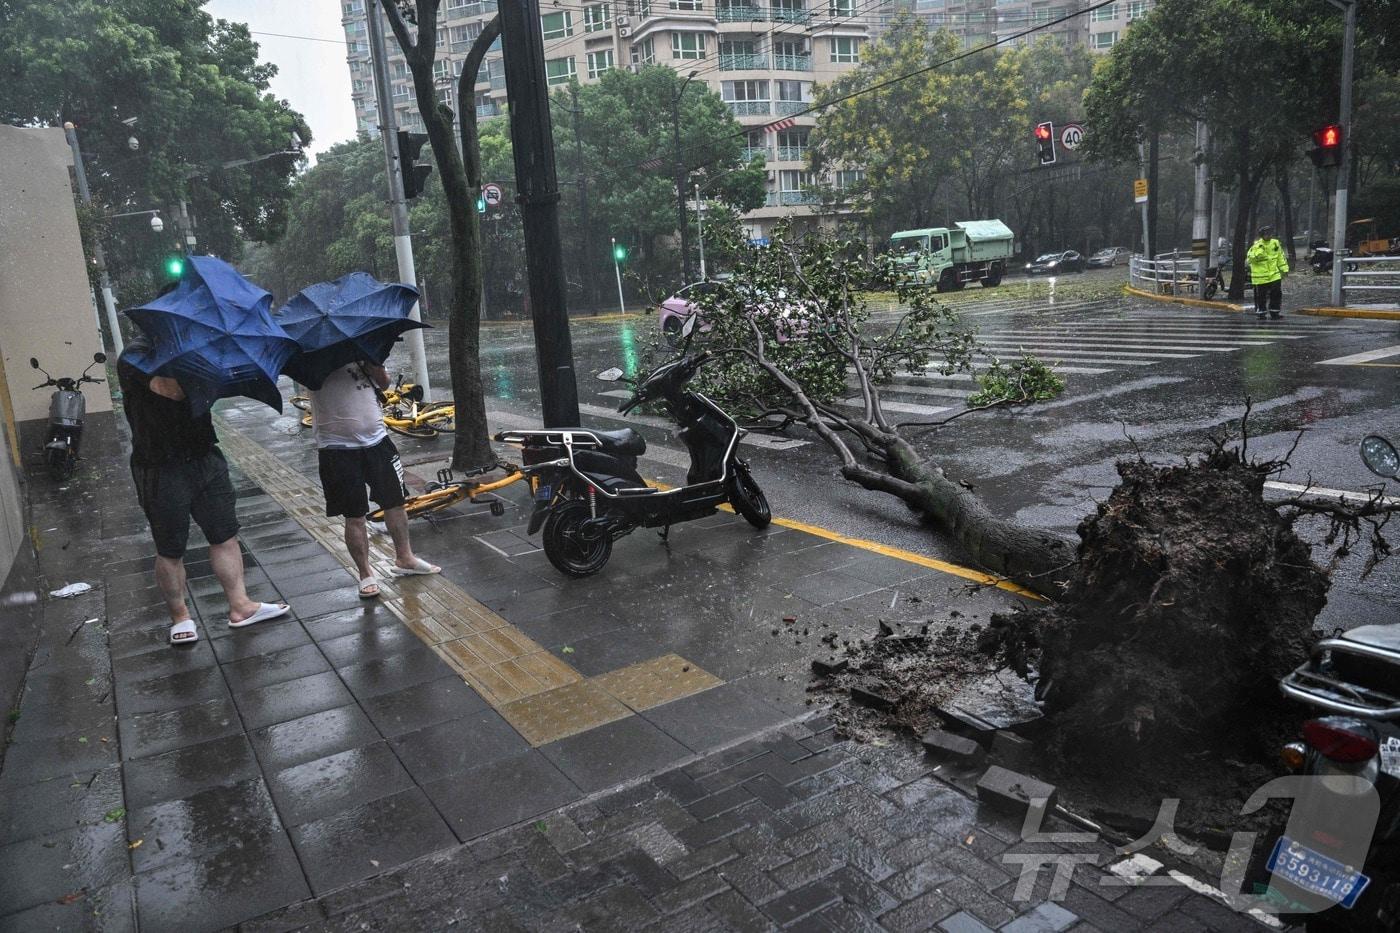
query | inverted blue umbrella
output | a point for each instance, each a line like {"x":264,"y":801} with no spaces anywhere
{"x":356,"y":317}
{"x":214,"y":333}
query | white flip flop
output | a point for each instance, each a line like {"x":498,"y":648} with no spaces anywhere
{"x":264,"y":612}
{"x":365,"y":584}
{"x":420,"y":567}
{"x":184,"y":633}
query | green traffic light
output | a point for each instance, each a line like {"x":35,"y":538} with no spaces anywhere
{"x":481,"y":205}
{"x":174,"y":267}
{"x":619,"y":252}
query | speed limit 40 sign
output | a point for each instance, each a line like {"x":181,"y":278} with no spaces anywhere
{"x":1071,"y":135}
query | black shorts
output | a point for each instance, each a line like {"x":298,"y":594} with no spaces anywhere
{"x":347,"y":471}
{"x":173,"y":493}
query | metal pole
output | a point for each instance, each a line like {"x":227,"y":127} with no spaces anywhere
{"x":1339,"y":222}
{"x":109,"y":302}
{"x":681,"y":222}
{"x":1142,"y":173}
{"x":398,"y":209}
{"x":538,"y":195}
{"x":1200,"y":220}
{"x":700,"y":223}
{"x":586,"y":267}
{"x":617,"y":268}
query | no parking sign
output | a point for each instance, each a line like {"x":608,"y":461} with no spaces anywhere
{"x":491,"y":194}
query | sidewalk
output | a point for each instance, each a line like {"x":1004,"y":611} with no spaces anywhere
{"x":454,"y":751}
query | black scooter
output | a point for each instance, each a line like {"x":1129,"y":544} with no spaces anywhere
{"x":67,"y":410}
{"x":586,"y":487}
{"x":1344,"y":868}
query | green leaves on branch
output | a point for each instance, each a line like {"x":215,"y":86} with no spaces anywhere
{"x":1026,"y":379}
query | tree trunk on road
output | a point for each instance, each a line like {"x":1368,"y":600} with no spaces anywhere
{"x":471,"y":442}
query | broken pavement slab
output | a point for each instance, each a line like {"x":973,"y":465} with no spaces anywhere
{"x":1011,"y":792}
{"x":948,"y":745}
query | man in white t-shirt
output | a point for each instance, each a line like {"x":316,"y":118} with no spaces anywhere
{"x":356,"y":455}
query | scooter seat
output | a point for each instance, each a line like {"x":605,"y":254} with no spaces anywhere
{"x":624,"y":441}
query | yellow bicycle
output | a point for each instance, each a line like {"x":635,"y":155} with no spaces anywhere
{"x":449,"y":490}
{"x":405,"y":412}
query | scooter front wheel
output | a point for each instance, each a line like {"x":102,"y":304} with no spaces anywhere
{"x":566,"y":546}
{"x":748,"y":500}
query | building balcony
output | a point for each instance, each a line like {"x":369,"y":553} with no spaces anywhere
{"x":792,"y":153}
{"x":750,"y":108}
{"x":741,"y":13}
{"x":786,"y":108}
{"x":471,"y":9}
{"x":752,"y":152}
{"x":743,"y":61}
{"x":487,"y":110}
{"x":791,"y":198}
{"x":498,"y":82}
{"x":792,"y":62}
{"x":785,"y":15}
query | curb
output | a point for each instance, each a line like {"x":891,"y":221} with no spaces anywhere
{"x":1374,"y":315}
{"x":1192,"y":302}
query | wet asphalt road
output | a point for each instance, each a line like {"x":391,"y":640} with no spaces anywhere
{"x":1158,"y":377}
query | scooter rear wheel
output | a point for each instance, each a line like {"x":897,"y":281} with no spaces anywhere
{"x":748,"y":500}
{"x":566,"y":549}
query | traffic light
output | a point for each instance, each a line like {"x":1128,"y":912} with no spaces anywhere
{"x":1045,"y":142}
{"x":1327,"y":151}
{"x":174,"y":267}
{"x":480,"y":205}
{"x":414,"y":175}
{"x":619,"y":253}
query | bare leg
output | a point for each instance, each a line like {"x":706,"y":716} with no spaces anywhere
{"x":357,"y":543}
{"x":170,"y":577}
{"x":227,"y":562}
{"x":397,"y":521}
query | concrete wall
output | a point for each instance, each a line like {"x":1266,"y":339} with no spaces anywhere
{"x":46,"y":306}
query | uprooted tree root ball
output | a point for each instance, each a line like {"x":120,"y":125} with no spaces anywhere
{"x":1191,"y":597}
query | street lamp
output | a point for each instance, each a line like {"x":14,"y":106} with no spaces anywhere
{"x":1339,"y":220}
{"x":680,"y":174}
{"x":700,"y":212}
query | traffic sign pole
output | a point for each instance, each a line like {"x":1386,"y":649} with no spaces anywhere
{"x":617,"y":268}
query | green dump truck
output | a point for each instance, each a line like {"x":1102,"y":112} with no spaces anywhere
{"x":951,"y":257}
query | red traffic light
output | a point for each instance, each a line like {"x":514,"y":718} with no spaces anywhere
{"x":1043,"y":131}
{"x":1329,"y":137}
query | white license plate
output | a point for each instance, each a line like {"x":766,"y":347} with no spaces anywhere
{"x":1312,"y":871}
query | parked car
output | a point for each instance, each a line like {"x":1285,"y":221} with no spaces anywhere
{"x":674,"y":310}
{"x":1109,"y":257}
{"x":792,"y":317}
{"x":1055,"y":263}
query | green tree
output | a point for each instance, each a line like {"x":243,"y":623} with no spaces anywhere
{"x":199,"y":99}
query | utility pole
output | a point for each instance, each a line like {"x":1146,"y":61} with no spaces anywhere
{"x":1200,"y":219}
{"x":681,"y":220}
{"x":398,"y":208}
{"x":537,"y":190}
{"x":109,"y":303}
{"x":586,"y":231}
{"x":1339,"y":221}
{"x":700,"y":224}
{"x":1142,"y":173}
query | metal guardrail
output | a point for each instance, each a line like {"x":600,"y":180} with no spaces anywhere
{"x":1370,"y":274}
{"x":1169,"y":274}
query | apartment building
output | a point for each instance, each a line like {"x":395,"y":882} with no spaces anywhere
{"x":763,"y":57}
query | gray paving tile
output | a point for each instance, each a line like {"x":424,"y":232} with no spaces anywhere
{"x":148,"y":734}
{"x":72,"y":753}
{"x":274,"y":668}
{"x":714,"y":717}
{"x":614,"y":752}
{"x":59,"y":804}
{"x":170,"y":691}
{"x":41,"y":722}
{"x":47,"y":868}
{"x":291,"y":699}
{"x":219,"y":889}
{"x":298,"y":741}
{"x":456,"y":745}
{"x":422,"y":705}
{"x":326,"y":786}
{"x":396,"y":672}
{"x":207,"y":821}
{"x":153,"y":664}
{"x":369,"y":839}
{"x":369,"y":614}
{"x":257,"y":640}
{"x":189,"y":770}
{"x":110,"y":909}
{"x":501,"y":793}
{"x":313,"y":582}
{"x":371,"y":645}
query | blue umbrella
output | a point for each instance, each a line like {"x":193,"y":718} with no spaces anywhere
{"x":354,"y":318}
{"x":214,"y":333}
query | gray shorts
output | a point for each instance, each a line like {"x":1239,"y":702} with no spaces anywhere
{"x":173,"y":493}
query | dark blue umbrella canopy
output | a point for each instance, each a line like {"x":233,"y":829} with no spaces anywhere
{"x":215,"y":334}
{"x":356,"y":317}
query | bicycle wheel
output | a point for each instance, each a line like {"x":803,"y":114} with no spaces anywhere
{"x":428,"y":502}
{"x":441,"y":419}
{"x":409,"y":429}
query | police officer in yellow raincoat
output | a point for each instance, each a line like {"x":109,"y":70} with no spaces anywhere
{"x":1268,"y":264}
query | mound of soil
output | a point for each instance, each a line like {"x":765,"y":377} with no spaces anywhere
{"x":1191,"y":598}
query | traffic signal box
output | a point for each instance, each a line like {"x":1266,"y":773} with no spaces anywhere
{"x":1045,"y":142}
{"x":1327,"y":146}
{"x":414,"y":174}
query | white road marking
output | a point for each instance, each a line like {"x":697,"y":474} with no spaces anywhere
{"x":908,"y":407}
{"x":1073,"y":343}
{"x":1367,"y":357}
{"x":1192,"y":340}
{"x":1322,"y":492}
{"x":1065,"y":352}
{"x":921,"y":390}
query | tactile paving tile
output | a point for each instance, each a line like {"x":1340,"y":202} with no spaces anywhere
{"x":563,"y":711}
{"x":660,"y":680}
